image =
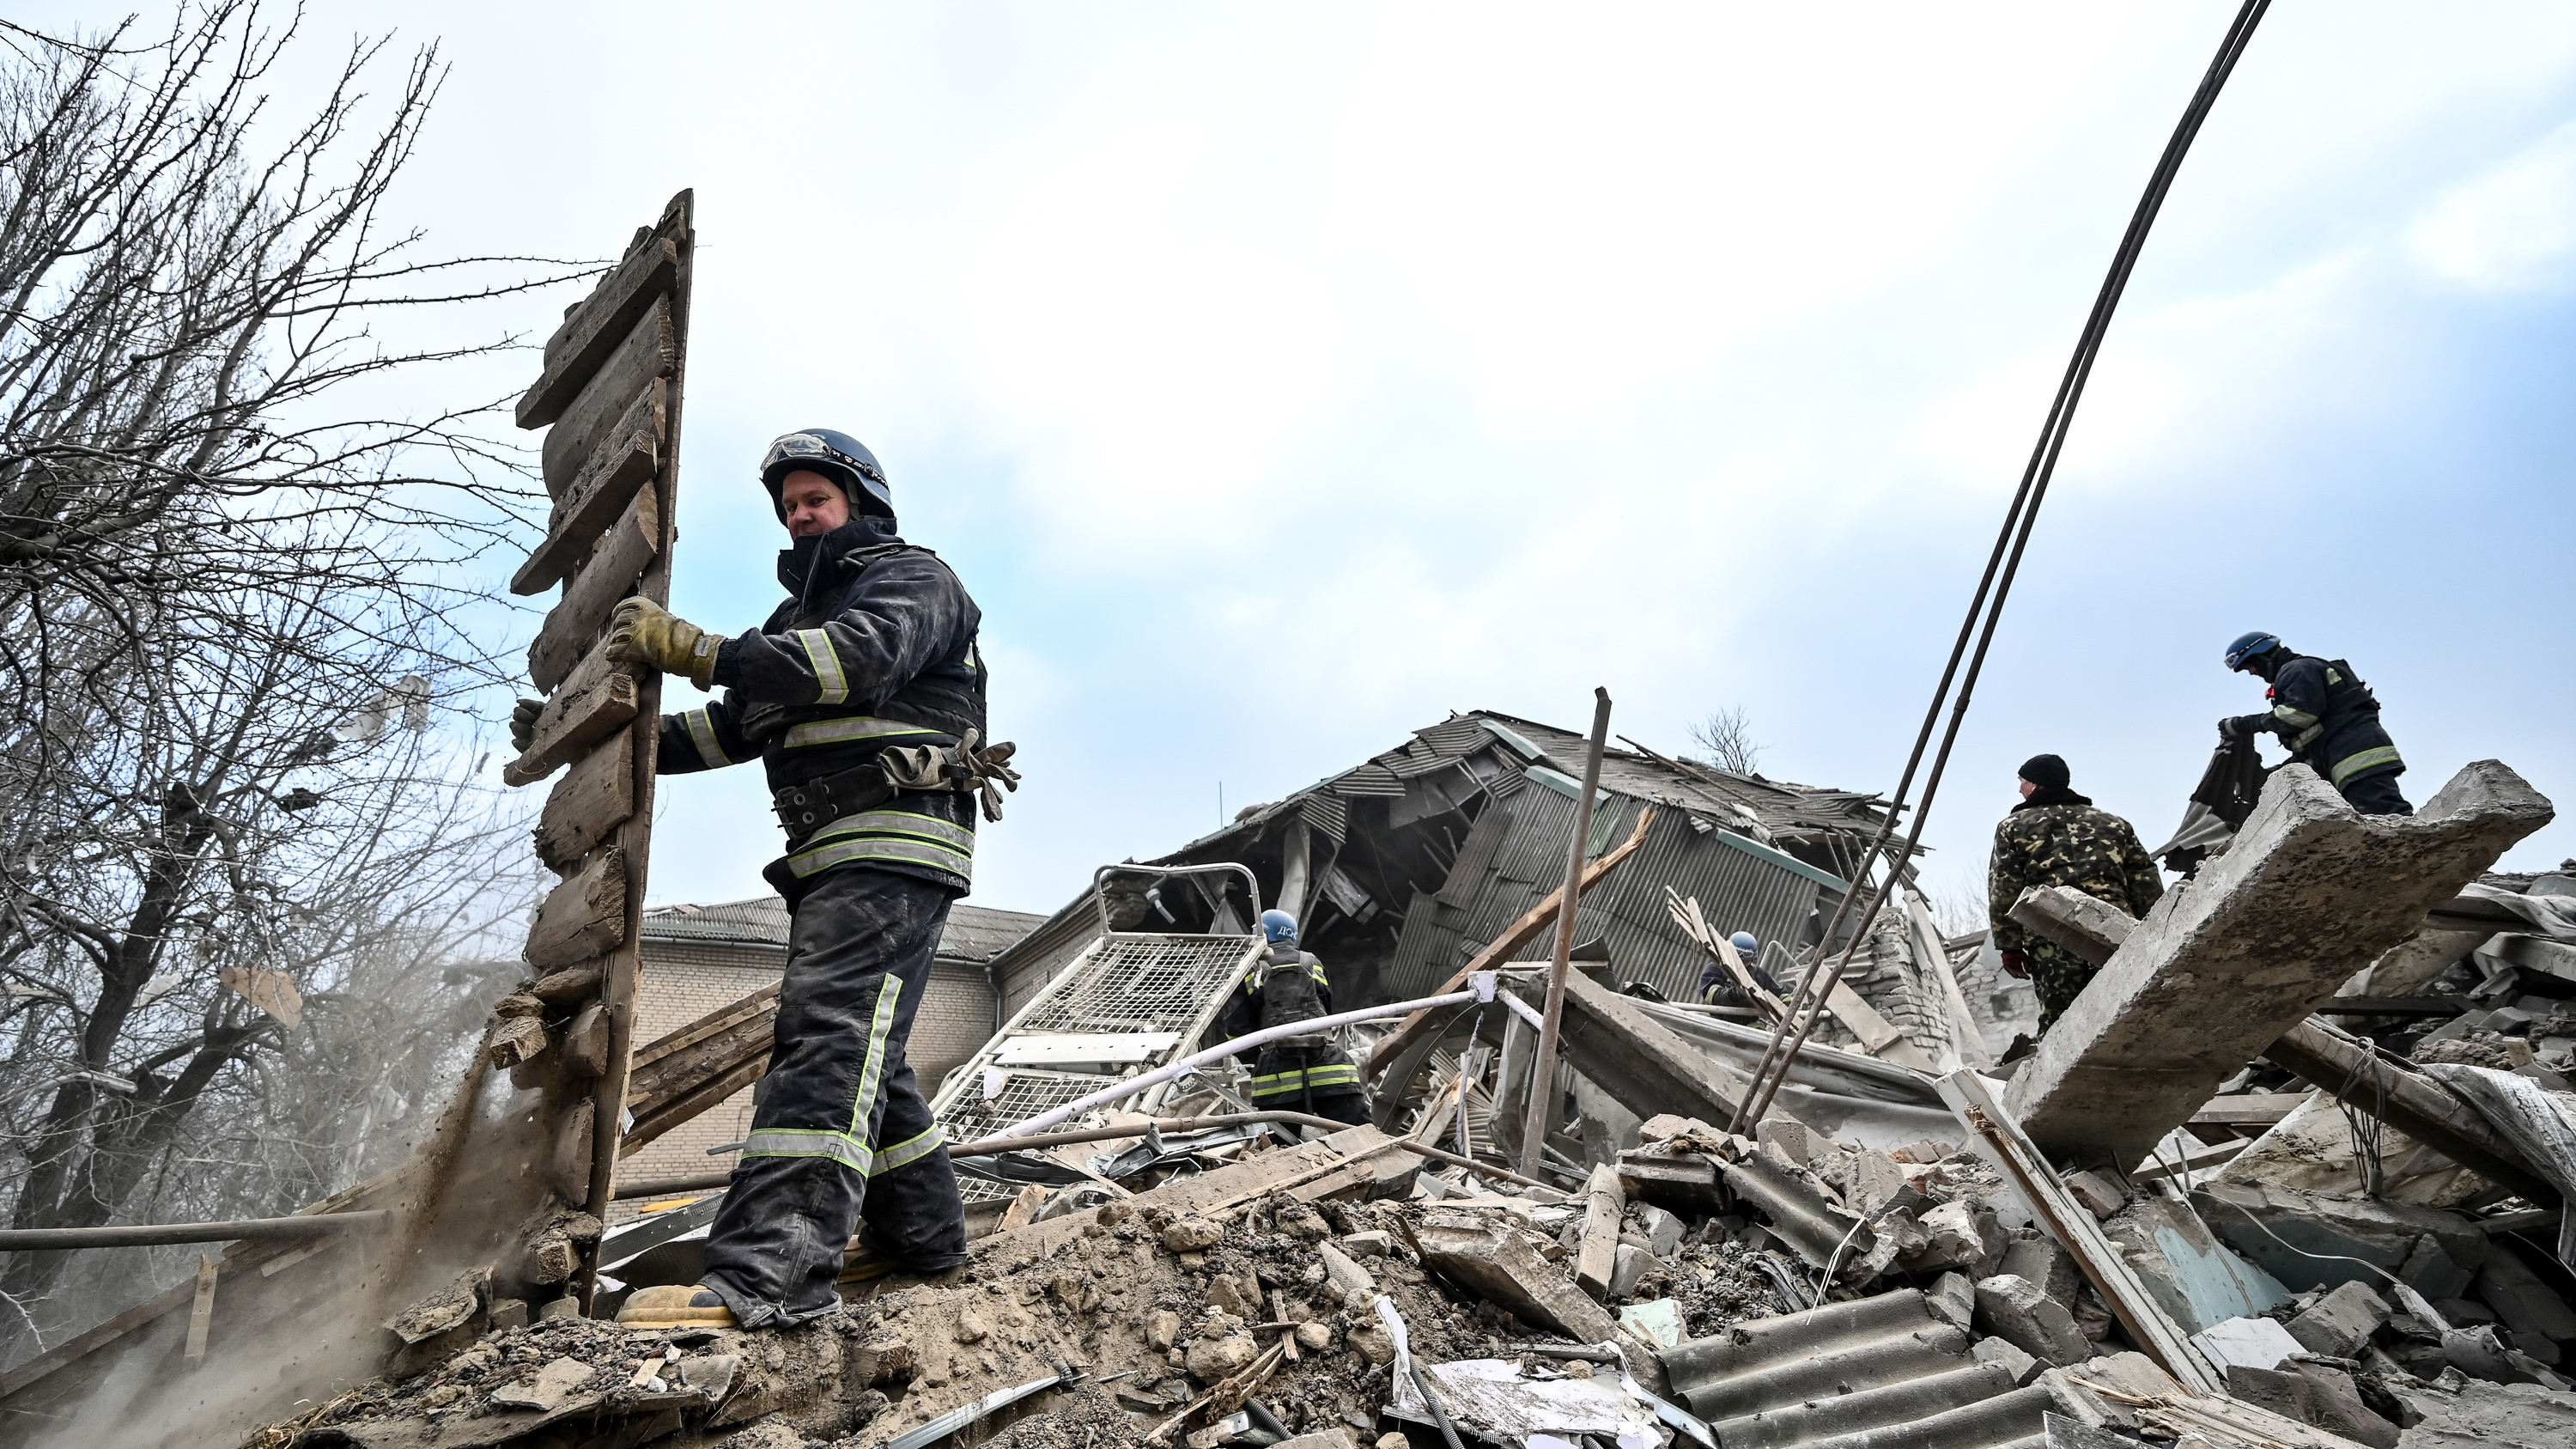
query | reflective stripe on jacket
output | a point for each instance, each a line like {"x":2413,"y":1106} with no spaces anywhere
{"x":2330,"y":721}
{"x":876,"y":647}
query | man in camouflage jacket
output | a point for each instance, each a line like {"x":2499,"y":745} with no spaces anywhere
{"x":2056,"y":837}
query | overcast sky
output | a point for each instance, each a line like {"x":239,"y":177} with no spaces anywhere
{"x":1282,"y":378}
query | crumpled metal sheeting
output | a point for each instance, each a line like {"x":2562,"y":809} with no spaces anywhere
{"x":2540,"y":1122}
{"x":1873,"y":1373}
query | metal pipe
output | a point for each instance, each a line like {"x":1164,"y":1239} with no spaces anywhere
{"x":153,"y":1235}
{"x":2004,"y":564}
{"x":1483,"y":991}
{"x":1543,"y":1074}
{"x":988,"y":1146}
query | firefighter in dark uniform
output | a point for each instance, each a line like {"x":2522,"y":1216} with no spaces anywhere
{"x":2057,"y":837}
{"x":2328,"y":719}
{"x":1717,"y":985}
{"x":863,"y":698}
{"x":1294,"y":1074}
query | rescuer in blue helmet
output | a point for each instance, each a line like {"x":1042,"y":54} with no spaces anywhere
{"x":1717,"y":986}
{"x":1299,"y":1073}
{"x":2326,"y":716}
{"x":862,"y":696}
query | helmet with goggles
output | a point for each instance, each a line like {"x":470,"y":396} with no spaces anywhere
{"x":837,"y":456}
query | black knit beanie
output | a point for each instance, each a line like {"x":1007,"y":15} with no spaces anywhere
{"x":2048,"y":772}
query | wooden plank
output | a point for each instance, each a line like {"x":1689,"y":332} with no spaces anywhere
{"x":650,"y":350}
{"x":583,"y":917}
{"x":623,"y":462}
{"x":1598,"y":1257}
{"x":1521,"y":932}
{"x":593,"y":798}
{"x":2073,"y":1225}
{"x":201,"y":1317}
{"x":2395,"y":1006}
{"x":585,"y":338}
{"x":2415,"y":1105}
{"x":574,"y":624}
{"x":695,"y":1068}
{"x":598,"y":698}
{"x":2249,"y":1109}
{"x":1965,"y":1038}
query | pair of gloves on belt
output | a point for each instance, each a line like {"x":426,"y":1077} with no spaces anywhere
{"x":639,"y":632}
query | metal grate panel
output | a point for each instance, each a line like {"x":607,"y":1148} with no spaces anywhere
{"x":1121,"y":983}
{"x":1138,"y":983}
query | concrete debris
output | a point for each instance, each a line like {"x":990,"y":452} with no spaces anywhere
{"x":2469,"y":1414}
{"x":2017,"y":1311}
{"x":1815,"y":1284}
{"x":2308,"y":894}
{"x":2340,"y":1321}
{"x":2252,"y":1342}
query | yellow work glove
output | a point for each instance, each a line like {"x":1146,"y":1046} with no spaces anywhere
{"x":643,"y":632}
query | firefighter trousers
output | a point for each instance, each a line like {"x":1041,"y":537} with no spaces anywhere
{"x":843,"y":1139}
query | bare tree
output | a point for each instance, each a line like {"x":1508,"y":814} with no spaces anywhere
{"x":1726,"y":741}
{"x":233,"y":620}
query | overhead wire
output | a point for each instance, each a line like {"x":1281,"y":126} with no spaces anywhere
{"x":2003,"y":565}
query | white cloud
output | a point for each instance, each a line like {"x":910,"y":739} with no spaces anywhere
{"x":2510,"y":229}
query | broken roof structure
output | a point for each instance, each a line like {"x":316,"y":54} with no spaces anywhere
{"x":1401,"y":866}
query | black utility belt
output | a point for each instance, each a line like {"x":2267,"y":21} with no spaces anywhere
{"x":804,"y":809}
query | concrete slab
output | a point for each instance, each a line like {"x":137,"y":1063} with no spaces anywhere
{"x":2310,"y":893}
{"x":2254,"y":1342}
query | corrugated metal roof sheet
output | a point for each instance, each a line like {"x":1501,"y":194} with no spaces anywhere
{"x":973,"y":934}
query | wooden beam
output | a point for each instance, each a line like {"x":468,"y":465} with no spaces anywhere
{"x":2249,"y":1109}
{"x":696,"y":1067}
{"x":596,"y":699}
{"x":583,"y":917}
{"x":624,"y":462}
{"x":2413,"y":1104}
{"x":201,"y":1317}
{"x":650,"y":350}
{"x":574,"y":624}
{"x":583,"y":342}
{"x":1520,"y":933}
{"x":593,"y":798}
{"x":1598,"y":1257}
{"x":2072,"y":1224}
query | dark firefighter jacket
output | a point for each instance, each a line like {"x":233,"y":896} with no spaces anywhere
{"x":1717,"y":984}
{"x":2330,"y":721}
{"x":2056,"y":837}
{"x":1284,"y":1074}
{"x":875,"y":646}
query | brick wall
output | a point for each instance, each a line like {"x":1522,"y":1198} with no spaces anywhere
{"x":685,"y":980}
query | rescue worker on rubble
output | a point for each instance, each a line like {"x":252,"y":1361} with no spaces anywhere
{"x":1297,"y":1073}
{"x":2326,"y":717}
{"x":862,"y":696}
{"x":2057,"y":837}
{"x":1717,"y":984}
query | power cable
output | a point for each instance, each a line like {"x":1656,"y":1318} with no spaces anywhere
{"x":2002,"y":565}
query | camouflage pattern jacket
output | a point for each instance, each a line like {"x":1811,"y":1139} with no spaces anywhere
{"x":2057,"y":838}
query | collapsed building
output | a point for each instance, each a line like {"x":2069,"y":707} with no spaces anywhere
{"x":2292,"y":1172}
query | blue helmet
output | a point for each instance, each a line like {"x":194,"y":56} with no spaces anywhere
{"x":2249,"y":645}
{"x":1277,"y":926}
{"x":1745,"y":942}
{"x":837,"y":456}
